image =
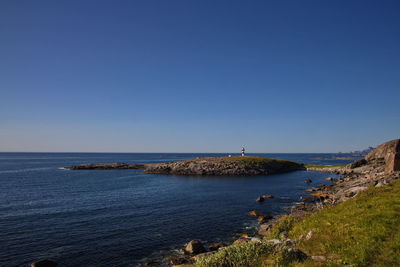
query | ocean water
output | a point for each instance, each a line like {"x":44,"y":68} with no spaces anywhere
{"x":121,"y":217}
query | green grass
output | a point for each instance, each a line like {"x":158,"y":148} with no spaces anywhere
{"x":252,"y":161}
{"x":364,"y":231}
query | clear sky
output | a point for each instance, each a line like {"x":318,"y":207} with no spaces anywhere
{"x":198,"y":76}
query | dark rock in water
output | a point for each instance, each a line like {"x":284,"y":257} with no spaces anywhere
{"x":308,"y":181}
{"x":307,"y":199}
{"x":330,"y":179}
{"x":44,"y":263}
{"x":260,"y":199}
{"x":215,"y":246}
{"x":194,"y":247}
{"x":219,"y":166}
{"x":106,"y":166}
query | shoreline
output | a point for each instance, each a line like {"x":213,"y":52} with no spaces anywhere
{"x":379,"y":168}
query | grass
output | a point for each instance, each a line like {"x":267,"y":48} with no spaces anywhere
{"x":252,"y":161}
{"x":363,"y":231}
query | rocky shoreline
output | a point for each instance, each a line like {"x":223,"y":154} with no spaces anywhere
{"x":380,"y":167}
{"x":211,"y":166}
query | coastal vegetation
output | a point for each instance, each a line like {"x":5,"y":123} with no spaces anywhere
{"x":354,"y":222}
{"x":363,"y":231}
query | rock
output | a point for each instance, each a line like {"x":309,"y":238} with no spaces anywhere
{"x":307,"y":199}
{"x":274,"y":241}
{"x":358,"y":163}
{"x":309,"y":235}
{"x":44,"y":263}
{"x":194,"y":247}
{"x":177,"y":260}
{"x":355,"y":190}
{"x":105,"y":166}
{"x":388,"y":153}
{"x":330,"y":179}
{"x":264,"y":229}
{"x":311,"y":189}
{"x":215,"y":246}
{"x":318,"y":258}
{"x":255,"y":239}
{"x":320,"y":195}
{"x":256,"y":213}
{"x":308,"y":181}
{"x":260,"y":199}
{"x":202,"y":255}
{"x":264,"y":218}
{"x":267,"y":196}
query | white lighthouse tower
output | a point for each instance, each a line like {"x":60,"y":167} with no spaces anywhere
{"x":243,"y":151}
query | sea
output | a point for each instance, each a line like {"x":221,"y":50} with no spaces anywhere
{"x":127,"y":217}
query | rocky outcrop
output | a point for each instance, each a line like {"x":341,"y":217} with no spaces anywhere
{"x":387,"y":153}
{"x":380,"y":167}
{"x":105,"y":166}
{"x":229,"y":166}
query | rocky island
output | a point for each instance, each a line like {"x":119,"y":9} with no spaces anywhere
{"x":220,"y":166}
{"x":217,"y":166}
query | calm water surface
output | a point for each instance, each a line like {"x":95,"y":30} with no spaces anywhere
{"x":120,"y":217}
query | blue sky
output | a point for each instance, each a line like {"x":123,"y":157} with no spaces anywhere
{"x":198,"y":76}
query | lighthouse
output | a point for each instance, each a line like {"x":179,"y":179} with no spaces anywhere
{"x":243,"y":151}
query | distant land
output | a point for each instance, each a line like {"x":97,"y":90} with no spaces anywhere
{"x":362,"y":152}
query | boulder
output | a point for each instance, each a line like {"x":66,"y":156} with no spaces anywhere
{"x":255,"y":239}
{"x":358,"y":163}
{"x":309,"y":235}
{"x":256,"y":213}
{"x":194,"y":247}
{"x":308,"y":181}
{"x":215,"y":246}
{"x":44,"y":263}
